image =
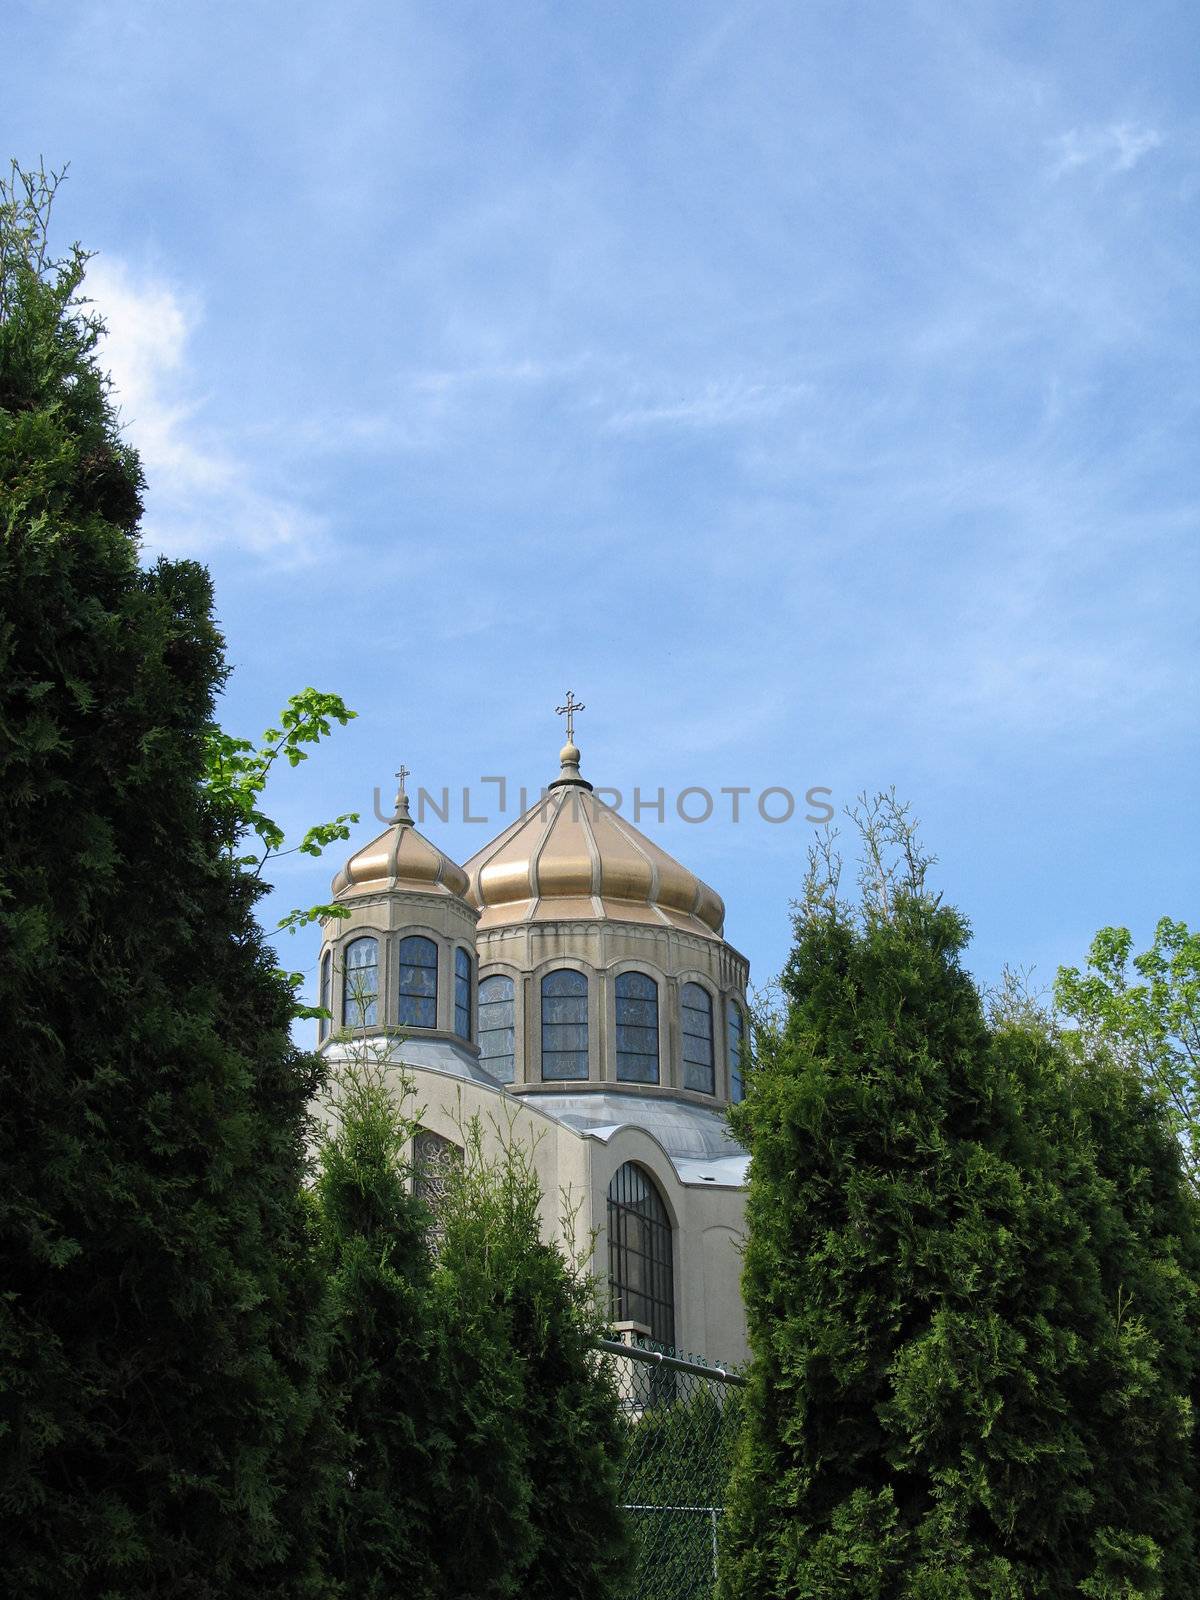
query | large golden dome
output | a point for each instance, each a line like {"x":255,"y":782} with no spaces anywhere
{"x":571,"y":857}
{"x":401,"y":858}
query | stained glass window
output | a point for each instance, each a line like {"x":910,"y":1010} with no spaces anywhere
{"x":496,"y":1024}
{"x":462,"y":993}
{"x":326,"y":1000}
{"x":418,"y":982}
{"x":564,"y":1025}
{"x":360,"y":989}
{"x":637,"y":1028}
{"x":737,"y":1040}
{"x":697,"y":1013}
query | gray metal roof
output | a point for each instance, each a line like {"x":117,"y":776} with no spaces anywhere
{"x":698,"y":1141}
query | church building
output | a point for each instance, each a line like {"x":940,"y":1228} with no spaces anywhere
{"x":571,"y":980}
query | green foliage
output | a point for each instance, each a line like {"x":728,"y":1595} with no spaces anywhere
{"x":159,"y":1425}
{"x":532,"y":1508}
{"x":970,"y":1278}
{"x":481,"y":1433}
{"x":384,"y":1376}
{"x":236,"y":774}
{"x":1152,"y":1027}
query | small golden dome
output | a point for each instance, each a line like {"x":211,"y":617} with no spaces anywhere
{"x":401,"y":858}
{"x":571,"y":856}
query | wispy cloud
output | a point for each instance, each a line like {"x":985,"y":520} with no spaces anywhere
{"x":1117,"y":147}
{"x":714,"y":405}
{"x":202,"y":491}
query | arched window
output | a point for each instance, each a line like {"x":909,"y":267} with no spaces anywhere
{"x":435,"y":1161}
{"x":462,"y":993}
{"x":326,"y":1000}
{"x":640,"y":1263}
{"x":737,"y":1044}
{"x":564,"y":1025}
{"x":698,"y":1070}
{"x":637,"y":1028}
{"x":496,"y":1048}
{"x":360,"y":987}
{"x":418,"y":982}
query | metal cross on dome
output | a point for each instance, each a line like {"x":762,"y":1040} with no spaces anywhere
{"x":568,"y":710}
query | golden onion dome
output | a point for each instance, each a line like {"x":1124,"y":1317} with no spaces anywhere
{"x":401,"y":858}
{"x":571,"y":857}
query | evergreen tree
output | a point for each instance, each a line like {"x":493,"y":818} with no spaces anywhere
{"x":533,"y":1507}
{"x":571,"y":1411}
{"x":159,"y":1432}
{"x":484,"y":1536}
{"x":385,"y":1369}
{"x":944,"y":1371}
{"x":1118,"y":1166}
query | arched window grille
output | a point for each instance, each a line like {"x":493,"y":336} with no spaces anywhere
{"x":462,"y":993}
{"x":496,"y":1022}
{"x":737,"y":1045}
{"x":637,"y":1028}
{"x":564,"y":1025}
{"x":418,"y":982}
{"x":697,"y":1012}
{"x":435,"y":1161}
{"x":326,"y":1000}
{"x":641,"y":1271}
{"x":360,"y":986}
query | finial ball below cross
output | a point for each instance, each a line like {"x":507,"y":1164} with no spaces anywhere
{"x":568,"y":710}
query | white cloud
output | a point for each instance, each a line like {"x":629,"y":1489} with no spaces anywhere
{"x":201,"y":490}
{"x":1115,"y":148}
{"x":716,"y":405}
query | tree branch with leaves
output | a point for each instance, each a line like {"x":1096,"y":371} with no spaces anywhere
{"x":237,"y":774}
{"x":1153,"y":1026}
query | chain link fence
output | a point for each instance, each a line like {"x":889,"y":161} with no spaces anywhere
{"x":682,"y":1419}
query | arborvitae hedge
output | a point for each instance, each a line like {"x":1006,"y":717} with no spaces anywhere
{"x":1114,"y":1157}
{"x":156,"y":1370}
{"x":970,"y":1294}
{"x":385,"y":1373}
{"x":570,"y":1413}
{"x":532,"y":1508}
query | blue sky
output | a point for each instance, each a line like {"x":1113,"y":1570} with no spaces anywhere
{"x":811,"y":387}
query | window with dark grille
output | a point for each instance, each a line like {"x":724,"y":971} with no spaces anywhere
{"x":737,"y":1042}
{"x":637,"y":1028}
{"x":564,"y":1025}
{"x":462,"y":993}
{"x":360,"y":989}
{"x":496,"y":1026}
{"x":697,"y":1019}
{"x":418,"y":982}
{"x":640,"y":1260}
